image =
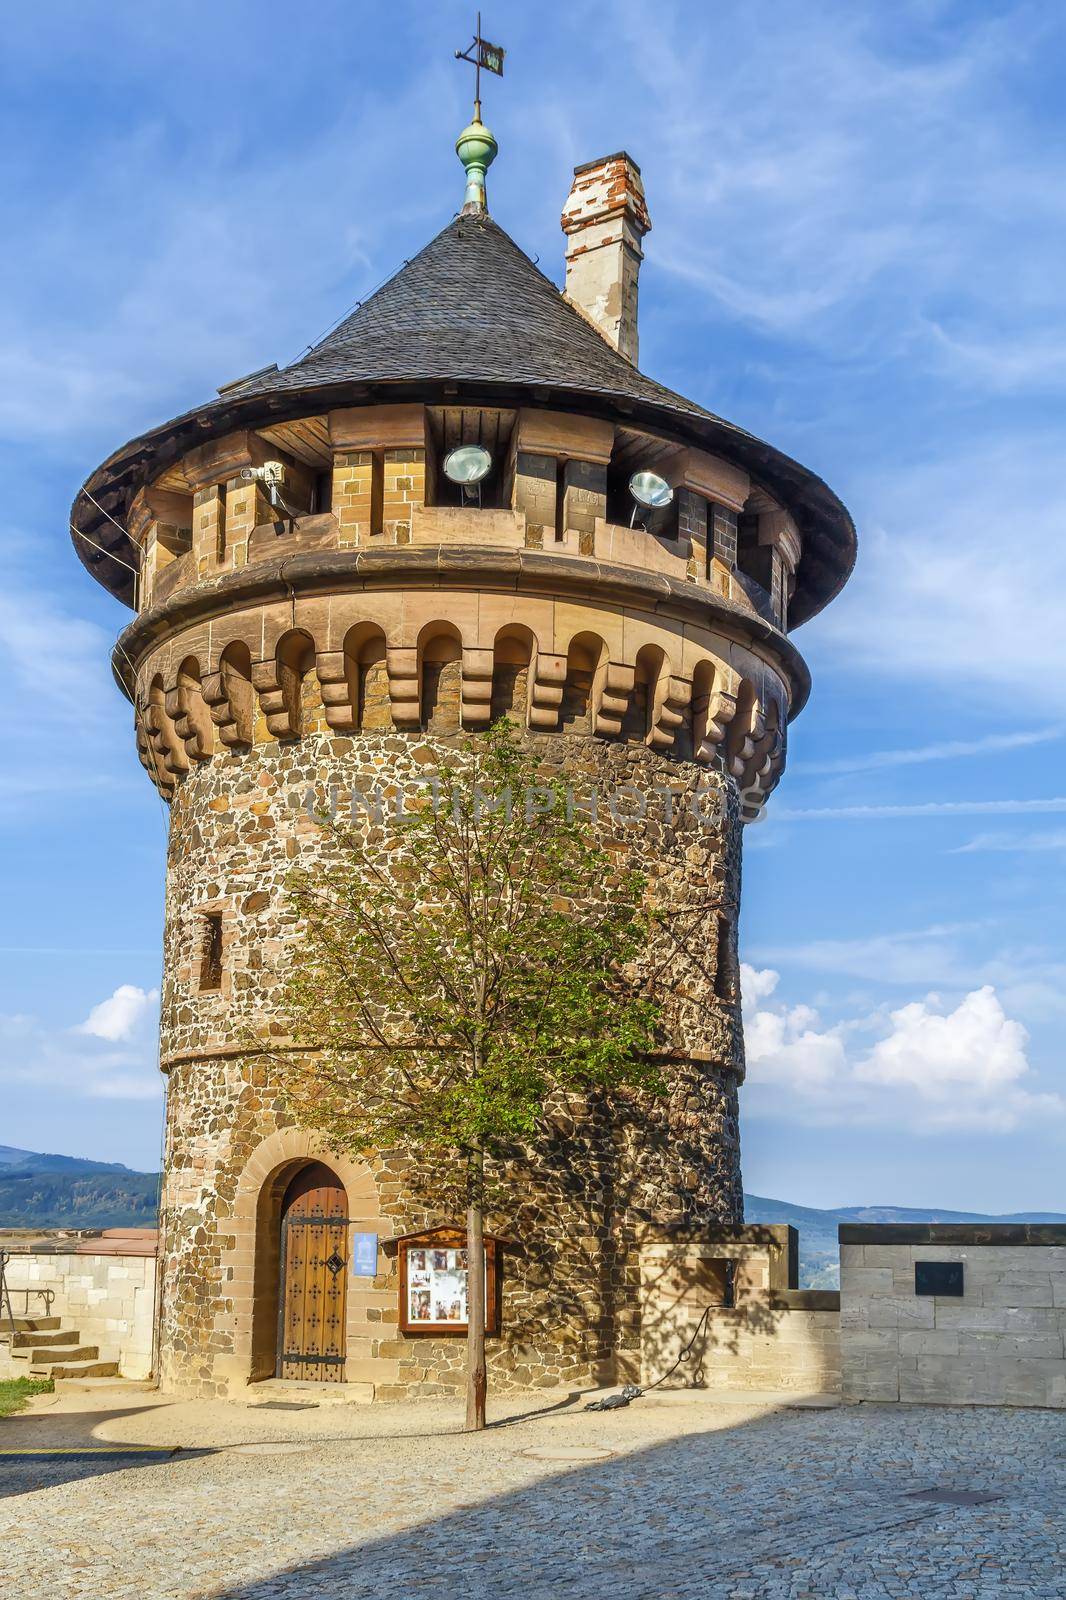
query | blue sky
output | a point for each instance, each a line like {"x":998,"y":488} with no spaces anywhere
{"x":859,"y":224}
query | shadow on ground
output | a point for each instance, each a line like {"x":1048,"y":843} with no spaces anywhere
{"x":39,"y":1449}
{"x":786,"y":1504}
{"x":45,"y":1470}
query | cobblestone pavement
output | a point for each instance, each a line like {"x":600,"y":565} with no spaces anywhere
{"x":697,"y":1498}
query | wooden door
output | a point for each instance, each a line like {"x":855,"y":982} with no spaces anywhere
{"x":314,"y":1277}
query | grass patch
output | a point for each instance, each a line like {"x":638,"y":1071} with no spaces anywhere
{"x":15,"y":1393}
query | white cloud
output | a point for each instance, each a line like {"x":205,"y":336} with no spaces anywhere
{"x":924,"y":808}
{"x":112,"y":1055}
{"x":1034,"y":358}
{"x":1029,"y":979}
{"x":922,"y":1067}
{"x":787,"y":1048}
{"x":960,"y":587}
{"x":975,"y":1049}
{"x":758,"y":985}
{"x":63,"y":661}
{"x":97,"y":358}
{"x":78,"y":742}
{"x":786,"y":209}
{"x":911,"y":956}
{"x":1052,"y":842}
{"x":118,"y":1016}
{"x":945,"y":750}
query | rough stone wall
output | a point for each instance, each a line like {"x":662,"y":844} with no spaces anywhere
{"x":571,"y":1275}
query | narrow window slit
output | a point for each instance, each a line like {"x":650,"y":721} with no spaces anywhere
{"x":211,"y":958}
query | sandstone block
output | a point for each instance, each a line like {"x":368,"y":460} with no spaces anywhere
{"x":899,"y":1312}
{"x":928,"y":1342}
{"x":866,"y":1282}
{"x":877,"y":1343}
{"x":896,"y":1256}
{"x":870,"y":1383}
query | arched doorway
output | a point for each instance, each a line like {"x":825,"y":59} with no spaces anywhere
{"x":314,"y":1277}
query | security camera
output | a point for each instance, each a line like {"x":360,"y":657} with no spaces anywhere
{"x":272,"y":475}
{"x":269,"y":472}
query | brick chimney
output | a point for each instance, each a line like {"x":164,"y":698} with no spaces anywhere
{"x":604,"y":219}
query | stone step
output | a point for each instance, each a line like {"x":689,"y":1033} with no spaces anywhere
{"x":371,"y":1369}
{"x":319,"y":1394}
{"x":67,"y":1369}
{"x":110,"y":1385}
{"x":38,"y":1338}
{"x":72,"y":1353}
{"x":28,"y":1325}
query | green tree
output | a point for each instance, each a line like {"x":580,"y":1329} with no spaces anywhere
{"x":460,"y":964}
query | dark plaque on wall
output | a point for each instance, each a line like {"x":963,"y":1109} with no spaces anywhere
{"x":938,"y":1277}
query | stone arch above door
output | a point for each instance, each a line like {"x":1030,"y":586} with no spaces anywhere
{"x":250,"y":1267}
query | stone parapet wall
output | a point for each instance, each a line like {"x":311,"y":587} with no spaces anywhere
{"x":109,"y":1299}
{"x":202,"y":517}
{"x":999,"y":1343}
{"x":369,"y":516}
{"x":731,"y":1294}
{"x":786,"y":1350}
{"x":727,"y":1296}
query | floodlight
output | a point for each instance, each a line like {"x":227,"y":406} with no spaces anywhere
{"x":650,"y":491}
{"x":467,"y":465}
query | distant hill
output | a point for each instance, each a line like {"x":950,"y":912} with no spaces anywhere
{"x":50,"y":1191}
{"x":10,"y":1158}
{"x":819,"y":1261}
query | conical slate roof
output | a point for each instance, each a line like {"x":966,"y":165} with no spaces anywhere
{"x":471,"y":307}
{"x":470,"y":311}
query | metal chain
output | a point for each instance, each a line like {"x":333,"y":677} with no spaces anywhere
{"x":633,"y":1391}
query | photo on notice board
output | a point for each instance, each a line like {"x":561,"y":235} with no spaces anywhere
{"x":436,"y":1286}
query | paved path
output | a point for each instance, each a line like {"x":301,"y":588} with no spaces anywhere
{"x":696,"y":1500}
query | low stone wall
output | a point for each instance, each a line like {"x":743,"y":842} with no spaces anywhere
{"x":731,"y":1293}
{"x":999,"y":1342}
{"x":109,"y":1298}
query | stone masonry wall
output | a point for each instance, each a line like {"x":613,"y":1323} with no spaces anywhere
{"x":109,"y":1299}
{"x":999,"y":1343}
{"x":727,"y":1296}
{"x":571,"y":1270}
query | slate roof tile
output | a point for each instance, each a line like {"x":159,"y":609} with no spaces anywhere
{"x":471,"y":307}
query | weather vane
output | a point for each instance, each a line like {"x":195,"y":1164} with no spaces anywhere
{"x":480,"y":53}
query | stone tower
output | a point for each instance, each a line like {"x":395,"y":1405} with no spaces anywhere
{"x":321,"y":609}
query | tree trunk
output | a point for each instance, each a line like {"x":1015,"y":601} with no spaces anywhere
{"x":475,"y":1297}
